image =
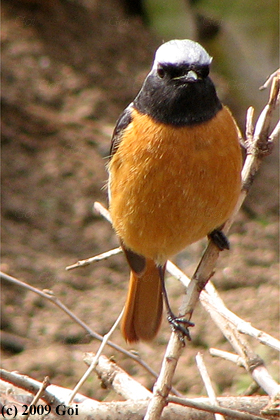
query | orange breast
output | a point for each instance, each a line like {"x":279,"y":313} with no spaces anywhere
{"x":170,"y":186}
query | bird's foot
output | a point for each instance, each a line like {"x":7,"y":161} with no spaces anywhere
{"x":219,"y":239}
{"x":181,"y":326}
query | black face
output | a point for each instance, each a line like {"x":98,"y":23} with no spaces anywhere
{"x":180,"y":72}
{"x":178,"y":94}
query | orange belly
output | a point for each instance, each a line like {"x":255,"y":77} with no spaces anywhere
{"x":171,"y":186}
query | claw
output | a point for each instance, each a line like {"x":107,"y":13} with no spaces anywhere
{"x":219,"y":239}
{"x":176,"y":325}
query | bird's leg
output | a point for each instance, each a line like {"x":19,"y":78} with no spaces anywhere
{"x":219,"y":239}
{"x":178,"y":324}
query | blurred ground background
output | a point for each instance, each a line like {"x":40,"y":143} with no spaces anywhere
{"x":69,"y":68}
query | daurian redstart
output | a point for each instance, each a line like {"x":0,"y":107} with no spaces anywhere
{"x":174,"y":176}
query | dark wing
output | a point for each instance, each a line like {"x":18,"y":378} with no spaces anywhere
{"x":136,"y":262}
{"x":123,"y":121}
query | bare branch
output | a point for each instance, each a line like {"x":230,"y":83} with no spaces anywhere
{"x":269,"y":80}
{"x":99,"y":208}
{"x":54,"y":395}
{"x":249,"y":124}
{"x":207,"y":383}
{"x":230,"y":324}
{"x":182,"y":409}
{"x":45,"y":384}
{"x":237,"y":415}
{"x":47,"y":294}
{"x":249,"y":359}
{"x":164,"y":382}
{"x":260,"y":374}
{"x":275,"y":133}
{"x":231,"y":357}
{"x":210,"y":297}
{"x":96,"y":258}
{"x":113,"y":377}
{"x":95,"y":359}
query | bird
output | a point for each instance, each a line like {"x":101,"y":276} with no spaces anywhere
{"x":174,"y":177}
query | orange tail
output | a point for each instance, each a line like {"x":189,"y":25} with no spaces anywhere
{"x":143,"y":308}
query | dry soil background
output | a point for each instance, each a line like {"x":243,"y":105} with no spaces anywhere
{"x":66,"y":76}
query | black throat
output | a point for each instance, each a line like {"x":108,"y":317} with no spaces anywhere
{"x":176,"y":103}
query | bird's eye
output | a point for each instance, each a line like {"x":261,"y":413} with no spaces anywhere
{"x":203,"y":71}
{"x":160,"y":72}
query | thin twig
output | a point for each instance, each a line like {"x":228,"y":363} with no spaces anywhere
{"x":250,"y":360}
{"x":210,"y":296}
{"x":260,"y":374}
{"x":50,"y":395}
{"x":275,"y":133}
{"x":231,"y":325}
{"x":226,"y":355}
{"x":96,"y":258}
{"x":237,"y":415}
{"x":99,"y":208}
{"x":269,"y":80}
{"x":47,"y":294}
{"x":96,"y":358}
{"x":207,"y":383}
{"x":44,"y":385}
{"x":249,"y":131}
